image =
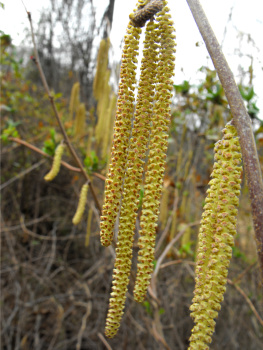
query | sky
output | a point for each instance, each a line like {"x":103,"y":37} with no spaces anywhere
{"x":246,"y":20}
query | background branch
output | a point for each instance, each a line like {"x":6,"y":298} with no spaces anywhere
{"x":51,"y":99}
{"x":65,"y":164}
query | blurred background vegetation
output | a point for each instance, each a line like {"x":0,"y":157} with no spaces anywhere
{"x":56,"y":277}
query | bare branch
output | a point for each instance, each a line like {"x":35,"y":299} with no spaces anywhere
{"x":51,"y":99}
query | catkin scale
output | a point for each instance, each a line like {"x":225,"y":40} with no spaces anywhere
{"x":56,"y":163}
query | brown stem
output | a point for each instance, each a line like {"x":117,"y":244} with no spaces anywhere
{"x":51,"y":99}
{"x":241,"y":119}
{"x":252,"y":307}
{"x":34,"y":148}
{"x":65,"y":164}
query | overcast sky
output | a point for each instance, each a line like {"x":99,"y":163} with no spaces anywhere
{"x":247,"y":18}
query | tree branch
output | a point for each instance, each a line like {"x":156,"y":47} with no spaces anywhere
{"x":241,"y":120}
{"x":51,"y":99}
{"x":65,"y":164}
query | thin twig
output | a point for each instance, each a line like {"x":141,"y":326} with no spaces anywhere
{"x":252,"y":307}
{"x":152,"y":287}
{"x":29,"y":223}
{"x":23,"y":173}
{"x":53,"y":251}
{"x":34,"y":148}
{"x":242,"y":274}
{"x":65,"y":164}
{"x":47,"y":238}
{"x":241,"y":120}
{"x":104,"y":341}
{"x":86,"y":316}
{"x":63,"y":131}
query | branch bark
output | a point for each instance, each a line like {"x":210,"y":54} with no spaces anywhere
{"x":241,"y":121}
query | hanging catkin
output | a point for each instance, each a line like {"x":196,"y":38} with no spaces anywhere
{"x":132,"y":141}
{"x":218,"y":227}
{"x":56,"y":163}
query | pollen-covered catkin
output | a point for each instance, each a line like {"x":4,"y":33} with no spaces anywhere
{"x":157,"y":153}
{"x":56,"y":163}
{"x":122,"y":131}
{"x":81,"y":204}
{"x":218,"y":227}
{"x":133,"y":180}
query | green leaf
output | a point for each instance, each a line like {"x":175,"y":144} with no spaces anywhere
{"x":161,"y":311}
{"x":247,"y":93}
{"x":147,"y":306}
{"x":183,"y":88}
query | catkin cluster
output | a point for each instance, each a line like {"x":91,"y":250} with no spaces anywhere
{"x":137,"y":142}
{"x":132,"y":181}
{"x":122,"y":130}
{"x":218,"y":227}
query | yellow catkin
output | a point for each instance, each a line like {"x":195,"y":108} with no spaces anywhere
{"x":102,"y":106}
{"x":133,"y":180}
{"x":122,"y":130}
{"x":81,"y":205}
{"x":56,"y":163}
{"x":102,"y":63}
{"x":109,"y":120}
{"x":186,"y":238}
{"x":74,"y":100}
{"x":188,"y":164}
{"x":218,"y":227}
{"x":157,"y":153}
{"x":80,"y":121}
{"x":87,"y":237}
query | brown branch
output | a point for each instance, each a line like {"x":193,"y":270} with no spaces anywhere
{"x":152,"y":288}
{"x":252,"y":307}
{"x":104,"y":341}
{"x":34,"y":148}
{"x":23,"y":173}
{"x":65,"y":164}
{"x":46,"y":238}
{"x":63,"y":131}
{"x":241,"y":120}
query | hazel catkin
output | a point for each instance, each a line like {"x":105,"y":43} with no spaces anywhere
{"x":56,"y":163}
